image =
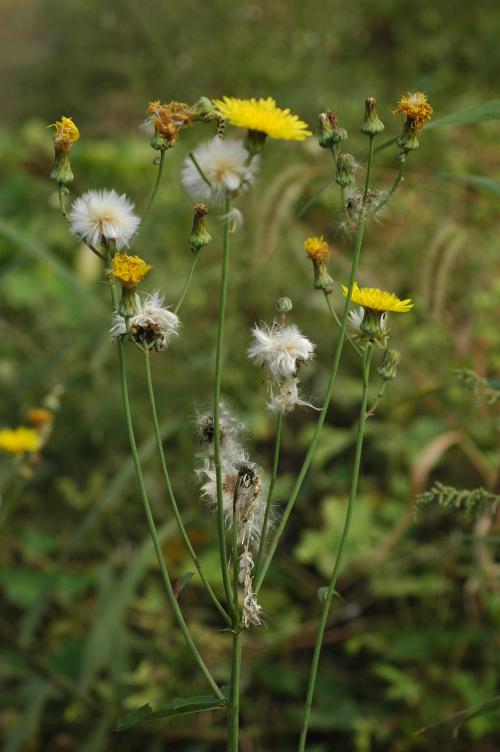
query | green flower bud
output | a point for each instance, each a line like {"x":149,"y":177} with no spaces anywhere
{"x":408,"y":140}
{"x":128,"y":303}
{"x":329,"y":132}
{"x":388,"y":368}
{"x":62,"y":173}
{"x":284,"y":305}
{"x":372,"y":124}
{"x":199,"y":237}
{"x":346,"y":165}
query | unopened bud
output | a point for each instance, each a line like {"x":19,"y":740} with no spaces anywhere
{"x":346,"y":165}
{"x":330,"y":134}
{"x":284,"y":305}
{"x":372,"y":124}
{"x":388,"y":369}
{"x":199,"y":237}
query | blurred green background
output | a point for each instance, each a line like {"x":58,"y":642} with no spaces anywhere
{"x":86,"y":632}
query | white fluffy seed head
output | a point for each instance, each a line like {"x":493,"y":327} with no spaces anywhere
{"x":224,"y":163}
{"x":98,"y":216}
{"x":152,"y":327}
{"x":280,"y":349}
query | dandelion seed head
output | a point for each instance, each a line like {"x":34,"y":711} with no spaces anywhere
{"x":225,"y":163}
{"x":151,"y":327}
{"x":280,"y":349}
{"x":100,"y":216}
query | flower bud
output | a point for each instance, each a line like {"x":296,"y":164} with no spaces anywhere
{"x":329,"y":132}
{"x":408,"y":140}
{"x":372,"y":124}
{"x":318,"y":251}
{"x":346,"y":164}
{"x":199,"y":237}
{"x":284,"y":305}
{"x":66,"y":134}
{"x":388,"y":368}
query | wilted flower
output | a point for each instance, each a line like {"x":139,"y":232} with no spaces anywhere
{"x":65,"y":135}
{"x":101,"y":216}
{"x":225,"y":167}
{"x":166,"y":120}
{"x":416,"y":108}
{"x":151,"y":327}
{"x":280,"y":349}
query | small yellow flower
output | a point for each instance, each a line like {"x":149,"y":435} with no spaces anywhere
{"x":317,"y":249}
{"x":416,"y":108}
{"x":39,"y":416}
{"x":20,"y":440}
{"x":378,"y":300}
{"x":263,"y":116}
{"x":66,"y":133}
{"x":129,"y":270}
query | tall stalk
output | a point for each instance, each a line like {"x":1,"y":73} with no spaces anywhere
{"x":272,"y":483}
{"x":234,"y":697}
{"x":221,"y":529}
{"x":155,"y":185}
{"x":150,"y":520}
{"x":345,"y":531}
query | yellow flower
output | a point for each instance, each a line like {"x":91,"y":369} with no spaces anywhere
{"x":129,"y":270}
{"x":378,"y":300}
{"x":317,"y":249}
{"x":263,"y":116}
{"x":20,"y":440}
{"x":66,"y":133}
{"x":416,"y":108}
{"x":39,"y":416}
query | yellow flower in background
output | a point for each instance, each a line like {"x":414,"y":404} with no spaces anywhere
{"x":39,"y":416}
{"x":378,"y":300}
{"x":263,"y":116}
{"x":317,"y":248}
{"x":20,"y":440}
{"x":416,"y":108}
{"x":66,"y":133}
{"x":129,"y":270}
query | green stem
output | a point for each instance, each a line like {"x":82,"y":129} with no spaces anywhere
{"x":221,"y":529}
{"x":200,"y":169}
{"x":399,"y":179}
{"x":376,"y":401}
{"x":343,"y":198}
{"x":149,"y":516}
{"x":333,"y":579}
{"x":170,"y":491}
{"x":187,"y":283}
{"x":322,"y":416}
{"x":62,"y":203}
{"x":368,"y":169}
{"x":155,"y":186}
{"x":337,"y":320}
{"x":234,"y":714}
{"x":274,"y":474}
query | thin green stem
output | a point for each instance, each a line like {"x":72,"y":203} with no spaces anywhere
{"x":62,"y":190}
{"x":200,"y":169}
{"x":322,"y":416}
{"x":376,"y":401}
{"x":187,"y":283}
{"x":368,"y":169}
{"x":150,"y":521}
{"x":345,"y":531}
{"x":338,"y":321}
{"x":234,"y":713}
{"x":397,"y":182}
{"x":221,"y":529}
{"x":343,"y":198}
{"x":155,"y":186}
{"x":170,"y":491}
{"x":269,"y":500}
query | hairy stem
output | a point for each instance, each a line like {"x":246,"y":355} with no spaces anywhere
{"x":170,"y":491}
{"x":221,"y":529}
{"x":345,"y":531}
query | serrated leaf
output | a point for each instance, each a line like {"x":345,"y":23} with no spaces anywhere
{"x":322,"y":593}
{"x":178,"y":706}
{"x":489,"y":110}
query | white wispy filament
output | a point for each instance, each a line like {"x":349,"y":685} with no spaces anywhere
{"x":99,"y":216}
{"x":152,"y":327}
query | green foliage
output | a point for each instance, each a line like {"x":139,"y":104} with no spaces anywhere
{"x":178,"y":706}
{"x":473,"y":502}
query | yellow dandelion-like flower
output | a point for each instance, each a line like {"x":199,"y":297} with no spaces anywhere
{"x":20,"y":440}
{"x":129,"y":270}
{"x":317,"y":249}
{"x":66,"y":133}
{"x":263,"y":116}
{"x":378,"y":300}
{"x":416,"y":108}
{"x":39,"y":416}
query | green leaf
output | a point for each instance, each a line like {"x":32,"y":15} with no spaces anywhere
{"x":181,"y":583}
{"x":322,"y":592}
{"x":178,"y":706}
{"x":486,"y":111}
{"x":476,"y":181}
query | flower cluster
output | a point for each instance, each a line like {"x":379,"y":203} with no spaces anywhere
{"x":280,"y":350}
